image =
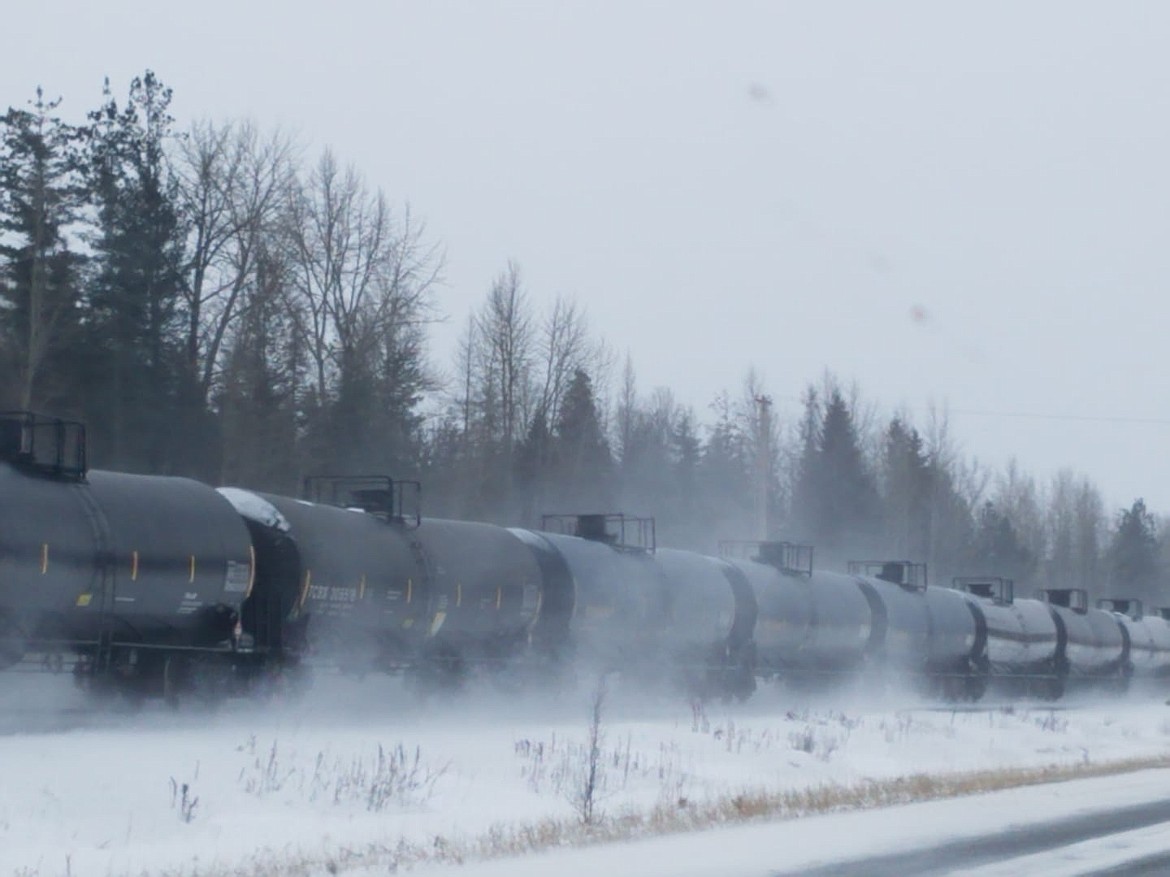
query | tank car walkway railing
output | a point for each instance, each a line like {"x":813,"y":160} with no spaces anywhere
{"x":48,"y":445}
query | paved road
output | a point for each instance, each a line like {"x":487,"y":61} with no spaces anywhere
{"x":1004,"y":845}
{"x":1151,"y":866}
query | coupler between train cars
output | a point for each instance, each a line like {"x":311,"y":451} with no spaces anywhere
{"x":720,"y":673}
{"x":966,"y":683}
{"x":1049,"y":685}
{"x":735,"y":676}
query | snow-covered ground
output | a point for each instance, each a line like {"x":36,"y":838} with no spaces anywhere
{"x":791,"y":847}
{"x":364,"y":776}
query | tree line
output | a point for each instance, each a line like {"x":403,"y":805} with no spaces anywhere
{"x":214,"y":304}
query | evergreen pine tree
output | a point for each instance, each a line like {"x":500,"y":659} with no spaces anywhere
{"x":805,"y":488}
{"x":582,"y":452}
{"x":724,"y":481}
{"x":40,"y":197}
{"x":533,"y":468}
{"x":1133,"y":555}
{"x":997,"y":548}
{"x":684,"y":498}
{"x":843,"y":507}
{"x":906,"y":491}
{"x":257,"y":401}
{"x":135,"y":344}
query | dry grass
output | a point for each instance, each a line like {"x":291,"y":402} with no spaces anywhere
{"x":682,"y":816}
{"x":391,"y":775}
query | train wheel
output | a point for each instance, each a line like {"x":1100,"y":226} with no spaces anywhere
{"x":442,"y":668}
{"x":976,"y":680}
{"x":178,"y":680}
{"x":1049,"y":687}
{"x":975,"y":686}
{"x":874,"y":681}
{"x":270,"y":683}
{"x":1122,"y":682}
{"x":170,"y":682}
{"x":740,"y":681}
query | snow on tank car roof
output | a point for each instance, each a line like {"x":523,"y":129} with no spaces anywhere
{"x":255,"y":508}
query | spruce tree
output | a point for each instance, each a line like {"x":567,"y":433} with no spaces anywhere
{"x":906,"y":491}
{"x":582,"y":453}
{"x":135,"y":344}
{"x":41,"y":194}
{"x":805,"y":488}
{"x":843,"y":499}
{"x":533,"y":468}
{"x":684,"y":500}
{"x":997,"y":549}
{"x":1133,"y":556}
{"x":724,"y":482}
{"x":258,"y":389}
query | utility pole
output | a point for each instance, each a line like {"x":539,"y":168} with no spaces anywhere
{"x":763,"y":464}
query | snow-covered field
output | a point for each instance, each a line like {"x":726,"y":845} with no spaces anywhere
{"x":365,"y":776}
{"x":849,"y":843}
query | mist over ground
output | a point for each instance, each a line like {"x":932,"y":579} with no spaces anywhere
{"x":360,"y":774}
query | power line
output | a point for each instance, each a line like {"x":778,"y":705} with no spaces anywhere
{"x":1089,"y":418}
{"x":1032,"y":415}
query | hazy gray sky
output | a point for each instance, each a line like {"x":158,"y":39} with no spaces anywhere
{"x":729,"y":184}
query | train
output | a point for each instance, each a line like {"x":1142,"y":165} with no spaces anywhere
{"x":166,"y":586}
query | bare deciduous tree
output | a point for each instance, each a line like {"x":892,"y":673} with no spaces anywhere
{"x":233,"y":185}
{"x":504,"y":336}
{"x":588,"y":792}
{"x":1018,"y":496}
{"x":562,"y":349}
{"x":1076,"y":527}
{"x":363,"y":285}
{"x":339,"y":232}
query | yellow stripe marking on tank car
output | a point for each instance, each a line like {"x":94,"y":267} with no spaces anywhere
{"x":84,"y":599}
{"x":362,"y":587}
{"x":133,"y":566}
{"x":251,"y":571}
{"x":409,"y":589}
{"x":459,"y":594}
{"x":44,"y":557}
{"x":305,"y":589}
{"x":191,"y":577}
{"x":499,"y":597}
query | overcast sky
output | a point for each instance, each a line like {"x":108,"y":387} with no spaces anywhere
{"x":784,"y":185}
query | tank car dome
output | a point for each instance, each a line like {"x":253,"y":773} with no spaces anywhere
{"x":255,"y":508}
